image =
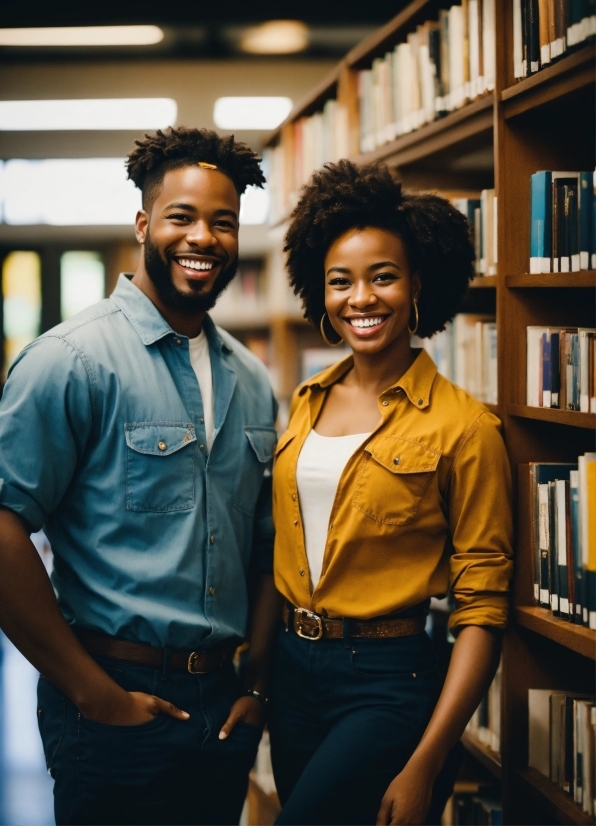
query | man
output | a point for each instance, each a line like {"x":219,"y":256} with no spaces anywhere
{"x":140,"y":435}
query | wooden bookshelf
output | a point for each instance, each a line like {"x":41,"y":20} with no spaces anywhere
{"x":546,"y":121}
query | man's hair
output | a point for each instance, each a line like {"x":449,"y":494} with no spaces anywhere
{"x":343,"y":196}
{"x":180,"y":147}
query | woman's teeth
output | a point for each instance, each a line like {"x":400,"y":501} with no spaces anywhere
{"x":365,"y":322}
{"x":195,"y":265}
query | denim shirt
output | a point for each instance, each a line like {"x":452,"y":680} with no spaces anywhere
{"x":102,"y":442}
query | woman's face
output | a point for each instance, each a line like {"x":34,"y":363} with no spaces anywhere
{"x":369,"y":290}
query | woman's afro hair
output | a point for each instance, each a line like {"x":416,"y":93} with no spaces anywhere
{"x":175,"y":148}
{"x":343,"y":196}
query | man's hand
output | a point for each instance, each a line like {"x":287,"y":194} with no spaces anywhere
{"x":407,"y":799}
{"x":247,"y":709}
{"x":135,"y":709}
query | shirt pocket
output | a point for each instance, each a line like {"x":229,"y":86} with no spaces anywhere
{"x":394,"y":476}
{"x":257,"y":453}
{"x":160,"y":464}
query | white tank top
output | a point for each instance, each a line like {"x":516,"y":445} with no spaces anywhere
{"x":320,"y":465}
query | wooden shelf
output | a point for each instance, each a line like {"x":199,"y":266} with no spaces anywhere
{"x":541,"y":621}
{"x":585,"y":278}
{"x":484,"y":281}
{"x":572,"y":418}
{"x":490,"y":759}
{"x":471,"y":120}
{"x":551,"y":798}
{"x":566,"y":75}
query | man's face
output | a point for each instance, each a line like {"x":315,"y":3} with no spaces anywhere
{"x":191,"y":238}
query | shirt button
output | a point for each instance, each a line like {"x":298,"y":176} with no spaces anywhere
{"x":397,"y":460}
{"x":201,"y":447}
{"x":178,"y":341}
{"x":420,"y":401}
{"x":295,"y":521}
{"x":331,"y":526}
{"x":294,"y":497}
{"x":384,"y":403}
{"x":162,"y":445}
{"x":202,"y":421}
{"x":301,"y":571}
{"x":212,"y":539}
{"x":212,"y":590}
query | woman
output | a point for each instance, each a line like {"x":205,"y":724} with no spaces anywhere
{"x":391,"y":486}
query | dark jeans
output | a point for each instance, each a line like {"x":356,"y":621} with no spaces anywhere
{"x":165,"y":771}
{"x":346,"y":716}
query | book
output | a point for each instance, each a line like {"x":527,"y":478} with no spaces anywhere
{"x":587,"y":520}
{"x":560,"y":367}
{"x":540,"y":222}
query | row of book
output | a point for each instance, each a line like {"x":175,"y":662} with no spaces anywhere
{"x":439,"y":67}
{"x":561,"y":368}
{"x":562,"y":221}
{"x":563,"y":525}
{"x":473,"y":804}
{"x":482,"y":216}
{"x":562,"y":732}
{"x":485,"y":725}
{"x":543,"y":30}
{"x":306,"y":145}
{"x":466,"y":353}
{"x":245,"y":296}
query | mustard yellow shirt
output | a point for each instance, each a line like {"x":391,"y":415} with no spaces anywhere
{"x":423,"y":506}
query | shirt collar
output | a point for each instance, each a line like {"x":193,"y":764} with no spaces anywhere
{"x":148,"y":321}
{"x":416,"y":382}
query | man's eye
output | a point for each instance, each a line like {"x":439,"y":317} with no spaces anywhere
{"x":226,"y":224}
{"x":179,"y":216}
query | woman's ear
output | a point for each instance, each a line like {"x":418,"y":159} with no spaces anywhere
{"x":416,"y":287}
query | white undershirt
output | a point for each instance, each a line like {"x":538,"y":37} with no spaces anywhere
{"x":320,"y":465}
{"x":201,"y":364}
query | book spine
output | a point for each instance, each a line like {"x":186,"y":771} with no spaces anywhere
{"x":585,"y":219}
{"x":555,"y":379}
{"x":518,"y":44}
{"x":540,"y":227}
{"x":543,"y":32}
{"x":546,"y":370}
{"x":543,"y":538}
{"x":576,"y":546}
{"x":555,"y":585}
{"x":560,"y":497}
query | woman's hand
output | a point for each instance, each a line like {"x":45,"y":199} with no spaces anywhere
{"x":247,"y":709}
{"x":407,"y":799}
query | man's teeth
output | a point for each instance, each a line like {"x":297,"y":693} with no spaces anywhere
{"x":196,"y":265}
{"x":366,"y":322}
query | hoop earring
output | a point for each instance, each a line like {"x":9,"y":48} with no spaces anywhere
{"x":324,"y":336}
{"x":411,"y":332}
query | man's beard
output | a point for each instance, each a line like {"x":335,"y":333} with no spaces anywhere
{"x":200,"y":302}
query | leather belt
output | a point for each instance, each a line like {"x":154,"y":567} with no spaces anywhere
{"x":311,"y":626}
{"x":195,"y":662}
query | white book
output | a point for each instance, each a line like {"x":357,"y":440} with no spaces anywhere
{"x":518,"y":65}
{"x":473,"y":47}
{"x":456,"y":56}
{"x":534,"y":365}
{"x":488,"y":43}
{"x":584,"y":367}
{"x":561,"y":528}
{"x":539,"y":729}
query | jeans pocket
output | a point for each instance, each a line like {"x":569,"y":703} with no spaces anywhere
{"x":51,"y":719}
{"x":401,"y":656}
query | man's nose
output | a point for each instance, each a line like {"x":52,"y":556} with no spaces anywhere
{"x":201,"y":235}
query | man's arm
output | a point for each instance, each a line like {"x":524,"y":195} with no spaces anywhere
{"x":32,"y":620}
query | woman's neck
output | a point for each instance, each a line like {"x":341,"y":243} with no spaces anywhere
{"x":378,"y":371}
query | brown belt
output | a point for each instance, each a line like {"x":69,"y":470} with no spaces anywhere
{"x":312,"y":626}
{"x":195,"y":662}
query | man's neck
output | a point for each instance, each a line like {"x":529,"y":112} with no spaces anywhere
{"x":187,"y":324}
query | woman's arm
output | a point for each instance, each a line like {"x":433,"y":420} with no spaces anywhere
{"x":473,"y":665}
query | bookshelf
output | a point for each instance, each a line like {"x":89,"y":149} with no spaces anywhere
{"x":545,"y":121}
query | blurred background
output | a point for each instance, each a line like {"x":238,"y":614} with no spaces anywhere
{"x":77,"y":86}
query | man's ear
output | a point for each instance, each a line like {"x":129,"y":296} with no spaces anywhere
{"x":141,"y":225}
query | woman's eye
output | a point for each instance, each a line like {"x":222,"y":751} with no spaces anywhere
{"x":339,"y":282}
{"x":385,"y":276}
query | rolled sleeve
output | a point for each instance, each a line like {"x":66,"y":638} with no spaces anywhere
{"x":45,"y":423}
{"x":482,"y":532}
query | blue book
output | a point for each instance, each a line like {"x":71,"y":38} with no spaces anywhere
{"x":540,"y":222}
{"x":585,"y":218}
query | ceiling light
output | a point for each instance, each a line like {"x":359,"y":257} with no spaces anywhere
{"x":251,"y":112}
{"x":108,"y":113}
{"x":82,"y":36}
{"x":275,"y":37}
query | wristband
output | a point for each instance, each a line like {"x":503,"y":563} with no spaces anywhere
{"x":258,"y":696}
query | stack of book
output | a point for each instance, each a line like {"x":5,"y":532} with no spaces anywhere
{"x":305,"y":146}
{"x":561,"y":368}
{"x":482,"y":216}
{"x":473,"y":803}
{"x":563,"y":523}
{"x":562,"y":728}
{"x":562,"y":223}
{"x":440,"y":67}
{"x":543,"y":30}
{"x":485,"y":724}
{"x":466,"y":353}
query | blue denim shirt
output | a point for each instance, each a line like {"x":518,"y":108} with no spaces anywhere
{"x":102,"y":442}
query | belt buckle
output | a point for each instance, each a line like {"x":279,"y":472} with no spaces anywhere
{"x":192,"y":663}
{"x":303,"y":613}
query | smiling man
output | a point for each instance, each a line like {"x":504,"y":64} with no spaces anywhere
{"x":139,"y":435}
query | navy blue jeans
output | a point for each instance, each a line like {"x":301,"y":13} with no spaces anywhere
{"x":164,"y":771}
{"x":346,"y":717}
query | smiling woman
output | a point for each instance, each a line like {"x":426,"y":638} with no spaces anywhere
{"x":391,"y":486}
